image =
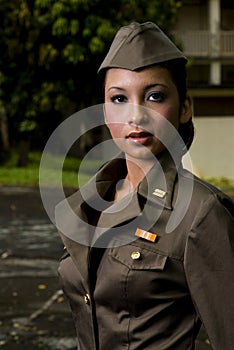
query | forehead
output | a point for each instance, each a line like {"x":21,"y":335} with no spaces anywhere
{"x":149,"y":75}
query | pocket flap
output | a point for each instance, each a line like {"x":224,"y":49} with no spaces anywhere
{"x":138,"y":258}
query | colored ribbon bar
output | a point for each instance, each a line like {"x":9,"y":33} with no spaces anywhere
{"x":146,"y":235}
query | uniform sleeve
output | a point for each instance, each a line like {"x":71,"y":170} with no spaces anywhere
{"x":209,"y":268}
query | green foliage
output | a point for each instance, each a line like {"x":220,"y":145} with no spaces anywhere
{"x":27,"y":125}
{"x":223,"y":183}
{"x":51,"y":50}
{"x":47,"y":55}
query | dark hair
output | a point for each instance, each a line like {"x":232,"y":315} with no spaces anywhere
{"x":177,"y":69}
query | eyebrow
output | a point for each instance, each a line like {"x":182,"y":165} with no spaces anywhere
{"x":150,"y":86}
{"x":147,"y":87}
{"x":116,"y":88}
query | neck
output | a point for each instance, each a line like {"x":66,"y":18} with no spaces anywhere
{"x":137,"y":170}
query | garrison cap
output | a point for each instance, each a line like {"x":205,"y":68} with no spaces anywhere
{"x":140,"y":45}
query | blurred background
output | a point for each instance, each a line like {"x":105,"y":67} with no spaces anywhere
{"x":50,"y":53}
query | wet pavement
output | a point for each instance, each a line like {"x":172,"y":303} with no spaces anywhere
{"x":34,"y":312}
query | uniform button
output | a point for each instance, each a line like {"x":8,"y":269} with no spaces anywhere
{"x":87,"y":299}
{"x":136,"y":255}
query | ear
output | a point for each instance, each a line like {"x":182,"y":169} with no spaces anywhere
{"x":186,"y":110}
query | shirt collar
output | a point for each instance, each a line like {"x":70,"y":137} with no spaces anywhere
{"x":157,"y":186}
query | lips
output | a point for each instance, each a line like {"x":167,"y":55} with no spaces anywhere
{"x":139,"y":137}
{"x":139,"y":134}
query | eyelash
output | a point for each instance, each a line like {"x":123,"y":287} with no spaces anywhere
{"x":115,"y":98}
{"x":157,"y":97}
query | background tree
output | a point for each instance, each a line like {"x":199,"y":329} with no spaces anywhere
{"x":50,"y":52}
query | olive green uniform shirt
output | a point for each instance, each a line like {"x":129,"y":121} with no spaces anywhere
{"x":130,"y":292}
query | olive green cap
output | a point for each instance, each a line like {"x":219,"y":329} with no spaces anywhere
{"x":140,"y":45}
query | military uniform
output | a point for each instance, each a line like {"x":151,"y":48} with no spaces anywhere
{"x":152,"y":290}
{"x":143,"y":272}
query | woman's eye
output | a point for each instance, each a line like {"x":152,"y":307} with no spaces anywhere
{"x":156,"y":96}
{"x":118,"y":99}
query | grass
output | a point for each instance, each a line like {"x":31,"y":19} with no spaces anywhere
{"x":226,"y":185}
{"x":50,"y":171}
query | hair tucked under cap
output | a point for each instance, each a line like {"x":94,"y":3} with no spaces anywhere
{"x":139,"y":45}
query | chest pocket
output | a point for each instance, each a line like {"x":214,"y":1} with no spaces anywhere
{"x":138,"y":258}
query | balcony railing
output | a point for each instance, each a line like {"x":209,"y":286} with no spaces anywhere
{"x":202,"y":43}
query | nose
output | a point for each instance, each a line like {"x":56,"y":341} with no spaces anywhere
{"x":137,"y":115}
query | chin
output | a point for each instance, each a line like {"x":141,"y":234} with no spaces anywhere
{"x":141,"y":155}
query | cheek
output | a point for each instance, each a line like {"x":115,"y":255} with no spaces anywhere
{"x":117,"y":134}
{"x":171,"y":113}
{"x":115,"y":113}
{"x":116,"y":129}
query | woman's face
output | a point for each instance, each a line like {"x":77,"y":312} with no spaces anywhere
{"x":138,"y":105}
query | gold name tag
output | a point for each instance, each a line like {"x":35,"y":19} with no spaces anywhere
{"x":146,"y":235}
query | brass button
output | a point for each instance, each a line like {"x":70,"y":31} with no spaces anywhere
{"x":136,"y":255}
{"x":87,"y":299}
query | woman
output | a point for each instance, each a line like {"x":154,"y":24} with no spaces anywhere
{"x":151,"y":256}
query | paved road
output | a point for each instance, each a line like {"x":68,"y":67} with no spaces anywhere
{"x":34,"y":313}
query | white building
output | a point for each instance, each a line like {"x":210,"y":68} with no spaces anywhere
{"x":205,"y":29}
